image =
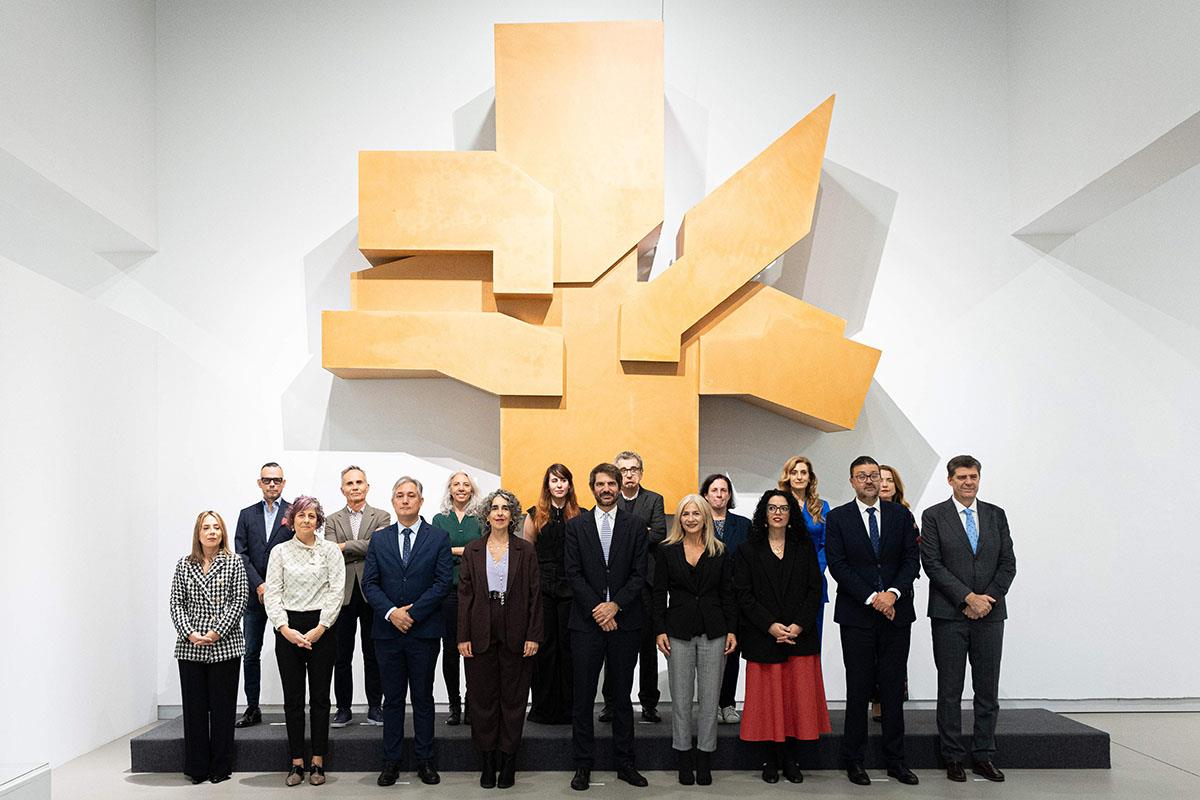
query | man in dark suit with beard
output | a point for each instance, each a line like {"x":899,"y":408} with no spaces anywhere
{"x":968,"y":555}
{"x":871,"y":550}
{"x":605,"y":561}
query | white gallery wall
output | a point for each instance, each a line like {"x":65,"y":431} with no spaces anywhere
{"x":1067,"y":371}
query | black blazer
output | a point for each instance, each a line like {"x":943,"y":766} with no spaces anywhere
{"x":252,"y":542}
{"x":737,"y":528}
{"x":954,"y":570}
{"x":764,"y":600}
{"x":690,"y":602}
{"x":589,"y":577}
{"x":858,"y":573}
{"x":522,"y":607}
{"x":649,"y":506}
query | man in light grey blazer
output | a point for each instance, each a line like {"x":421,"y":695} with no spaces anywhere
{"x":968,"y":555}
{"x":350,"y":529}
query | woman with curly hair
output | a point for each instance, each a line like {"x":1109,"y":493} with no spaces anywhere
{"x":778,"y":586}
{"x":546,"y":528}
{"x":800,"y":479}
{"x":499,"y":628}
{"x":306,"y":579}
{"x":457,"y":518}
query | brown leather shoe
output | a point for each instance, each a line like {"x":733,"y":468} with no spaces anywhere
{"x":316,"y":775}
{"x":295,"y":775}
{"x":955,"y":772}
{"x":988,"y":770}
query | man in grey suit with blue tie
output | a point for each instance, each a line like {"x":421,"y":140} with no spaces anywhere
{"x":968,"y":555}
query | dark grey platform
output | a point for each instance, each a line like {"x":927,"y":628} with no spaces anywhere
{"x":1026,"y":739}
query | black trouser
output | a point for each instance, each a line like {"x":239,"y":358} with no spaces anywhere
{"x":875,"y":656}
{"x":295,"y":665}
{"x":552,"y":672}
{"x":954,"y":642}
{"x":450,"y":656}
{"x":355,"y":615}
{"x":209,"y":707}
{"x":730,"y":678}
{"x":647,"y":656}
{"x":590,"y":650}
{"x":498,"y":681}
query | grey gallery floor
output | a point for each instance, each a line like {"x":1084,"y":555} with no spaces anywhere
{"x":1154,"y":755}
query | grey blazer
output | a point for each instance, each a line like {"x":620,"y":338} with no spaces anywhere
{"x":337,"y":530}
{"x":954,"y":571}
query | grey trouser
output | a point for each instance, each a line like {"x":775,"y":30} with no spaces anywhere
{"x":694,"y":669}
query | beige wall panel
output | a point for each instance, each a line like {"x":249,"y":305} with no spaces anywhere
{"x":427,"y":202}
{"x":579,"y":107}
{"x":493,"y":352}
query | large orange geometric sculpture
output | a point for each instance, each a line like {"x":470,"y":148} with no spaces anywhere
{"x":516,"y":271}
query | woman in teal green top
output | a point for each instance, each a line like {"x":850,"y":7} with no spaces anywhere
{"x":458,"y":519}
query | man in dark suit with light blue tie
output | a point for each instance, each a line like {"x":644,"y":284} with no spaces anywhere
{"x":871,"y":550}
{"x":406,"y":576}
{"x":605,"y":561}
{"x":968,"y":555}
{"x":259,"y":528}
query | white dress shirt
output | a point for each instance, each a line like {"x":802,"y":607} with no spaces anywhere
{"x":304,"y":577}
{"x":962,"y":518}
{"x":612,"y":525}
{"x":866,"y":521}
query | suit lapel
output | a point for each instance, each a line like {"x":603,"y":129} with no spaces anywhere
{"x":593,"y":537}
{"x":955,"y":521}
{"x":765,"y":553}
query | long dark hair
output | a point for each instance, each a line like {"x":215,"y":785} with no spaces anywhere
{"x":758,"y":525}
{"x":541,"y":512}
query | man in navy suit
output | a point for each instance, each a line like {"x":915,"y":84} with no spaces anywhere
{"x":259,"y":528}
{"x":605,"y":560}
{"x":871,"y":549}
{"x":406,"y":576}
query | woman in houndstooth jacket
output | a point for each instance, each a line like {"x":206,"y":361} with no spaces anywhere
{"x":208,"y":596}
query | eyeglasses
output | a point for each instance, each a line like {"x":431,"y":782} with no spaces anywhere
{"x":630,"y":470}
{"x":864,"y":477}
{"x":271,"y":480}
{"x":777,"y":509}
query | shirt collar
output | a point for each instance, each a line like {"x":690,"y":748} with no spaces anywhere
{"x":278,"y":502}
{"x":959,"y":507}
{"x":862,"y":507}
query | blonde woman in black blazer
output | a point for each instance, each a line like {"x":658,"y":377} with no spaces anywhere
{"x":695,"y":622}
{"x":208,"y":597}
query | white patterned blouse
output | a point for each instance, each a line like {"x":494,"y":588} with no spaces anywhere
{"x":305,"y":578}
{"x":214,"y":601}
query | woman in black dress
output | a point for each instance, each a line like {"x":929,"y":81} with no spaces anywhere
{"x":545,"y":526}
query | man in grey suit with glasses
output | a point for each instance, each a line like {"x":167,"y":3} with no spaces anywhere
{"x":968,"y":555}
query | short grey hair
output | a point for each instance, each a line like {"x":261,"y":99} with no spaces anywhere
{"x":403,"y":479}
{"x":485,"y":506}
{"x":629,"y":454}
{"x":352,"y":468}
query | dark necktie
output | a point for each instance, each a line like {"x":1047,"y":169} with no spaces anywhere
{"x":873,"y":529}
{"x":406,"y":550}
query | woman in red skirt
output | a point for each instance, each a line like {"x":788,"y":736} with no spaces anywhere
{"x":778,"y":587}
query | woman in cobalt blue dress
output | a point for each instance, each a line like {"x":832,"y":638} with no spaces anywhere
{"x":799,"y":478}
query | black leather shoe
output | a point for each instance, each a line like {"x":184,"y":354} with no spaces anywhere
{"x":858,"y":775}
{"x":650,"y":715}
{"x":605,"y":714}
{"x":988,"y":770}
{"x":583,"y":777}
{"x":341,"y":719}
{"x":197,"y":779}
{"x":391,"y":771}
{"x":770,"y":772}
{"x":487,"y":776}
{"x":251,"y":716}
{"x":703,"y":768}
{"x":455,"y":717}
{"x":955,"y":772}
{"x":792,"y":772}
{"x":685,"y":763}
{"x":428,"y":775}
{"x":632,"y":777}
{"x":508,"y":770}
{"x":903,"y":774}
{"x":219,"y":778}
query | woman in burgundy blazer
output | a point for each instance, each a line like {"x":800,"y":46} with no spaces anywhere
{"x":499,"y":628}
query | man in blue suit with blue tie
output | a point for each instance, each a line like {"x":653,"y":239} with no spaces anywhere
{"x":259,"y":529}
{"x":406,"y":576}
